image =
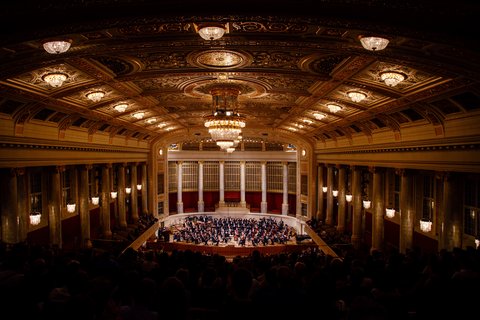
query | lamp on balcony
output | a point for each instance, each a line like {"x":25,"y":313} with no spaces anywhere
{"x":35,"y":218}
{"x":425,"y":225}
{"x":95,"y":200}
{"x":390,"y":213}
{"x":71,"y":207}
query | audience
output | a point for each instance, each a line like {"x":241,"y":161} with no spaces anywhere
{"x":48,"y":283}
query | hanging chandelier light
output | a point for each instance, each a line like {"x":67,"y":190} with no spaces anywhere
{"x":392,"y":78}
{"x":225,"y":124}
{"x":230,"y":150}
{"x":56,"y":47}
{"x":374,"y":43}
{"x":211,"y":31}
{"x":356,"y":96}
{"x":95,"y":96}
{"x":55,"y":79}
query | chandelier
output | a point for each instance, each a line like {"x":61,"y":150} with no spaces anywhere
{"x":211,"y":31}
{"x":121,"y":107}
{"x":55,"y":79}
{"x":56,"y":47}
{"x":392,"y":78}
{"x":374,"y":43}
{"x":333,"y":108}
{"x":225,"y":124}
{"x":356,"y":96}
{"x":95,"y":96}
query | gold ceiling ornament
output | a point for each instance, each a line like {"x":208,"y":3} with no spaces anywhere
{"x":57,"y":47}
{"x":55,"y":79}
{"x":225,"y":124}
{"x":356,"y":96}
{"x":211,"y":30}
{"x":333,"y":107}
{"x":374,"y":43}
{"x":96,"y":96}
{"x":151,"y":120}
{"x":121,"y":107}
{"x":392,"y":78}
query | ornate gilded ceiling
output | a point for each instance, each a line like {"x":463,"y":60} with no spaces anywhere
{"x":288,"y":65}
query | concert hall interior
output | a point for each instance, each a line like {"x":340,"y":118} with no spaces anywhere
{"x":333,"y":143}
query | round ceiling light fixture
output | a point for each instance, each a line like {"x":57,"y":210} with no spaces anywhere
{"x":55,"y":79}
{"x":57,"y":47}
{"x":374,"y":43}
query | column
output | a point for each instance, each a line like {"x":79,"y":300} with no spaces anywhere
{"x":134,"y":194}
{"x":378,"y":211}
{"x":222,"y":184}
{"x":341,"y":199}
{"x":357,"y":207}
{"x":115,"y":214}
{"x":105,"y":202}
{"x":122,"y":210}
{"x":144,"y":190}
{"x":329,"y":217}
{"x":320,"y":194}
{"x":201,"y":203}
{"x":8,"y":205}
{"x":450,"y":233}
{"x":22,"y":211}
{"x":243,"y":204}
{"x":54,"y":207}
{"x":285,"y":188}
{"x":179,"y":187}
{"x":84,"y":208}
{"x":263,"y":204}
{"x":407,"y":211}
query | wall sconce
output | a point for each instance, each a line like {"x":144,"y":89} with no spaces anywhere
{"x":348,"y":197}
{"x":324,"y":189}
{"x":71,"y":207}
{"x":425,"y":225}
{"x":477,"y":242}
{"x":367,"y":204}
{"x":335,"y":193}
{"x":95,"y":200}
{"x":35,"y":218}
{"x":139,"y":187}
{"x":113,"y":194}
{"x":128,"y":190}
{"x":390,"y":212}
